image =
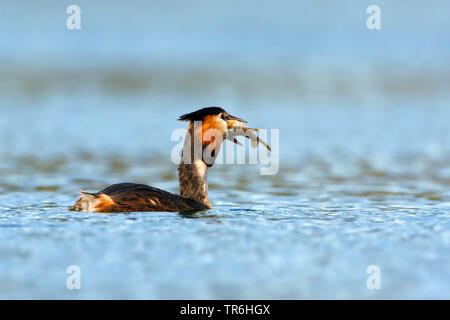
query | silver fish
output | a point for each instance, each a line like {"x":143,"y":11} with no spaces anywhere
{"x":241,"y":130}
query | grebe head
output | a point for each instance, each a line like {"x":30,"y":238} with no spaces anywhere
{"x":209,"y":126}
{"x":213,"y":118}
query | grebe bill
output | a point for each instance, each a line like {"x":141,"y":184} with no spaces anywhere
{"x":192,"y":170}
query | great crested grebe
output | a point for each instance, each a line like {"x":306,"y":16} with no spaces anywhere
{"x":207,"y":129}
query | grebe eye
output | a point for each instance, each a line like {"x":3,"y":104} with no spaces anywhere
{"x":223,"y":117}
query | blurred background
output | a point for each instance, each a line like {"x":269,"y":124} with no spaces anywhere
{"x":364,"y":147}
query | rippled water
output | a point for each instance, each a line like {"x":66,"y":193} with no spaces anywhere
{"x":364,"y":152}
{"x":347,"y":196}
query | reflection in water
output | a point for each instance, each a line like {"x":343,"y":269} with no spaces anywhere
{"x":198,"y":215}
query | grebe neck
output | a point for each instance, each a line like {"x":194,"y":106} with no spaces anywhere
{"x":193,"y":182}
{"x":192,"y":169}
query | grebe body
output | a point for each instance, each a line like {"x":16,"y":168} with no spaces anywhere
{"x":130,"y":197}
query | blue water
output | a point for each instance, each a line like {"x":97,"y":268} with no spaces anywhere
{"x":364,"y":149}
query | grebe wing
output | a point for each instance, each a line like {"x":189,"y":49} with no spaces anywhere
{"x":125,"y":197}
{"x":131,"y":197}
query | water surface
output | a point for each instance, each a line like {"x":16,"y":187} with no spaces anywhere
{"x":364,"y":150}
